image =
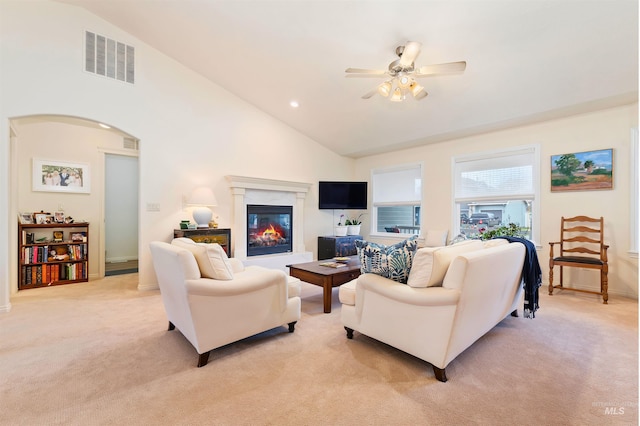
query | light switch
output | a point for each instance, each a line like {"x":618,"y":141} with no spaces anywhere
{"x":153,"y":207}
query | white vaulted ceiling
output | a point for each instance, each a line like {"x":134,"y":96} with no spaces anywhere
{"x":527,"y":60}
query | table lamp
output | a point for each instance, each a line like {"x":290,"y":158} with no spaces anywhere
{"x":202,"y":198}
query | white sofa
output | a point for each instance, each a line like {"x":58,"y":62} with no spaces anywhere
{"x":454,"y":295}
{"x":212,"y":313}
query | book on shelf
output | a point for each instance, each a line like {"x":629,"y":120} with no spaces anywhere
{"x":334,"y":264}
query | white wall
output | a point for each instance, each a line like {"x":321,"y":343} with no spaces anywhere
{"x":191,"y":132}
{"x":610,"y":128}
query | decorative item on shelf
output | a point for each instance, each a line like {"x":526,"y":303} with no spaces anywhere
{"x":59,"y":217}
{"x":79,"y":237}
{"x":202,"y":198}
{"x":354,"y":225}
{"x":41,"y":217}
{"x":213,"y":224}
{"x":25,"y":218}
{"x":184,"y":224}
{"x":341,"y":228}
{"x":58,"y":236}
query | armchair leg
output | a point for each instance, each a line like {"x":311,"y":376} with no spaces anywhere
{"x":292,"y":326}
{"x":440,"y":374}
{"x":349,"y":332}
{"x":203,"y":359}
{"x":171,"y":326}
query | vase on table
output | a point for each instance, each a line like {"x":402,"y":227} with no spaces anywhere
{"x":341,"y":230}
{"x":353,"y":230}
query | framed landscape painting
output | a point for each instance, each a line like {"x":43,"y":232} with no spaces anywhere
{"x":60,"y":176}
{"x":582,"y":171}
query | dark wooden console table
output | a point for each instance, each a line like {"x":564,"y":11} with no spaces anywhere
{"x":325,"y":276}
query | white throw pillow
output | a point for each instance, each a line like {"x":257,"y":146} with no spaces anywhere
{"x":212,"y":259}
{"x":436,"y":238}
{"x":430,"y":264}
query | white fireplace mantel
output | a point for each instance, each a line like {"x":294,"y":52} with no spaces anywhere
{"x":250,"y":190}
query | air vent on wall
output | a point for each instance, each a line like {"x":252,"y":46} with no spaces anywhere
{"x":109,"y":58}
{"x":130,"y":143}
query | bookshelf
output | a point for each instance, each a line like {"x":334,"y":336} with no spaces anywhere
{"x":52,"y":254}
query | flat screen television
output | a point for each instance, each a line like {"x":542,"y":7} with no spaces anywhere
{"x":342,"y":195}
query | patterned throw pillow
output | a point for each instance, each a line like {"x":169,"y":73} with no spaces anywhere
{"x":393,"y":262}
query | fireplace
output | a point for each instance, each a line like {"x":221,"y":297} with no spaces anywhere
{"x":269,"y":229}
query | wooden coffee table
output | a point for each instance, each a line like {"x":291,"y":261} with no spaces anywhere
{"x":325,"y":276}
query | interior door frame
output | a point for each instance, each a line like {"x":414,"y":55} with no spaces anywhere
{"x":103,"y":159}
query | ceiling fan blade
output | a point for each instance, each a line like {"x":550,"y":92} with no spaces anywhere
{"x":449,"y":67}
{"x":369,"y":94}
{"x":410,"y":53}
{"x":365,"y":75}
{"x":364,"y":71}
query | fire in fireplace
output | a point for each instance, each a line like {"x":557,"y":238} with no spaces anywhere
{"x":269,"y":229}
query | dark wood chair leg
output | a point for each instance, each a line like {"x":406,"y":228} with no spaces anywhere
{"x":203,"y":359}
{"x":514,"y":313}
{"x":440,"y":374}
{"x":292,"y":326}
{"x":604,"y":283}
{"x":349,"y":332}
{"x":171,"y":326}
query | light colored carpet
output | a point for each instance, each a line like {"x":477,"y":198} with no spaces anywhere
{"x":99,"y":353}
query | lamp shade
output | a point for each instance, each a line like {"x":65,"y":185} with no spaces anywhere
{"x":202,"y":198}
{"x":385,"y":88}
{"x":397,"y":96}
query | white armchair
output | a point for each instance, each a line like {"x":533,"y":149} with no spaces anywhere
{"x":212,"y":313}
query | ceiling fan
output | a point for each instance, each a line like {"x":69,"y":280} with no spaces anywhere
{"x":402,"y":73}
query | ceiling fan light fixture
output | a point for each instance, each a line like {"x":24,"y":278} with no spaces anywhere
{"x":398,"y":95}
{"x":385,"y":88}
{"x":415,"y":88}
{"x":404,"y":81}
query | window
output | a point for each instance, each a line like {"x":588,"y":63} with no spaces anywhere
{"x":497,"y":188}
{"x":397,"y":197}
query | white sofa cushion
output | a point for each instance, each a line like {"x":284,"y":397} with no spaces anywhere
{"x":212,"y":259}
{"x":430,"y":264}
{"x":347,"y":293}
{"x":495,"y":242}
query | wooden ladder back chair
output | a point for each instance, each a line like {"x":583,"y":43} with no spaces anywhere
{"x":581,"y":246}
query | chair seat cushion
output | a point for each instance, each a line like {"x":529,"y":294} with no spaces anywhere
{"x":294,"y":286}
{"x":578,"y":259}
{"x":347,"y":293}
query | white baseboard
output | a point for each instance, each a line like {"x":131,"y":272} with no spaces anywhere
{"x":120,"y":259}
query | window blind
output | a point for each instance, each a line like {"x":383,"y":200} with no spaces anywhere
{"x":507,"y":175}
{"x":397,"y":185}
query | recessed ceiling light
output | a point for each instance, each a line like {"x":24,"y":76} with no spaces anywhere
{"x":104,"y":126}
{"x":294,"y":104}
